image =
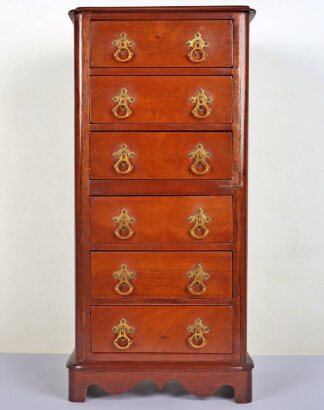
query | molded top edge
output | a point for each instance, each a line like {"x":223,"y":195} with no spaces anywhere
{"x":225,"y":9}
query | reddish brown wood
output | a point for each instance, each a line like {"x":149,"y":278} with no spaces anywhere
{"x":158,"y":44}
{"x":160,"y":300}
{"x":160,"y":155}
{"x":82,"y":176}
{"x":156,"y":191}
{"x":206,"y":246}
{"x":201,"y":379}
{"x":160,"y":357}
{"x":77,"y":182}
{"x":161,"y":99}
{"x":161,"y":187}
{"x":113,"y":13}
{"x":161,"y":274}
{"x":95,"y":71}
{"x":162,"y":329}
{"x":161,"y":218}
{"x":158,"y":127}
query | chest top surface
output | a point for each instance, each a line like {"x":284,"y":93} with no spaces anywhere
{"x":161,"y":9}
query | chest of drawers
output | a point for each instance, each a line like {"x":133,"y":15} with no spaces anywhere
{"x":161,"y":100}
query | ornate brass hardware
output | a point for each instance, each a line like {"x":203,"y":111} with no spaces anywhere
{"x":123,"y":52}
{"x":198,"y":329}
{"x":123,"y":220}
{"x":201,"y":100}
{"x":198,"y":276}
{"x":197,"y":54}
{"x":123,"y":155}
{"x":124,"y":276}
{"x":200,"y":165}
{"x":122,"y":340}
{"x":122,"y":109}
{"x":199,"y":220}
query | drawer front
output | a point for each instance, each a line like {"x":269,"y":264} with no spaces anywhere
{"x":162,"y":43}
{"x":161,"y":99}
{"x":161,"y":329}
{"x":177,"y":274}
{"x":160,"y":219}
{"x":161,"y":155}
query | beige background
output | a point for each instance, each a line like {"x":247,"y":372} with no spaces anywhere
{"x":286,"y":258}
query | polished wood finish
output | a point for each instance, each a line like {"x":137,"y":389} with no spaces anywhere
{"x":202,"y":379}
{"x":172,"y":12}
{"x":162,"y":329}
{"x":160,"y":187}
{"x":95,"y":71}
{"x":159,"y":44}
{"x":161,"y":218}
{"x":161,"y":99}
{"x":160,"y":155}
{"x":161,"y":274}
{"x":161,"y":193}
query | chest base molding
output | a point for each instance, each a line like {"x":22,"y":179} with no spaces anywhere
{"x":200,"y":379}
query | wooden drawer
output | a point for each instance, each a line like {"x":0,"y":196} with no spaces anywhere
{"x":160,"y":99}
{"x":180,"y":274}
{"x":161,"y":155}
{"x":161,"y":219}
{"x":161,"y":329}
{"x":162,"y":43}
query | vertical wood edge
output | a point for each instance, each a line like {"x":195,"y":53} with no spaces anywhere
{"x":85,"y":312}
{"x":77,"y":180}
{"x":244,"y":75}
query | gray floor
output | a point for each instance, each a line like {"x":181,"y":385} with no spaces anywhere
{"x":39,"y":382}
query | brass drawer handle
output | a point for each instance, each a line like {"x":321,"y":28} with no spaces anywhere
{"x":199,"y":229}
{"x":122,"y":340}
{"x":123,"y":44}
{"x":197,"y":54}
{"x":124,"y":276}
{"x":201,"y":110}
{"x":124,"y":222}
{"x":200,"y":155}
{"x":197,"y":286}
{"x":122,"y":110}
{"x":123,"y":156}
{"x":197,"y":340}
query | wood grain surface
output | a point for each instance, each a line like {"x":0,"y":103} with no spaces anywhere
{"x":161,"y":218}
{"x":160,"y":329}
{"x":162,"y":43}
{"x":160,"y":155}
{"x":161,"y":99}
{"x":160,"y":194}
{"x":161,"y":274}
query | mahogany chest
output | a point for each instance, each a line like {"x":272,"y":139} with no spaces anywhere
{"x":161,"y":105}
